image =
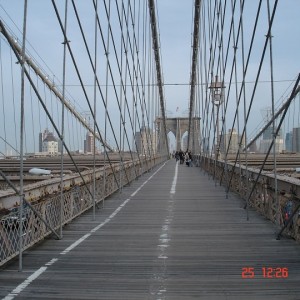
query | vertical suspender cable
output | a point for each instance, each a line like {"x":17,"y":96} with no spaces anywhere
{"x":2,"y":95}
{"x":122,"y":128}
{"x":277,"y":221}
{"x":22,"y":139}
{"x":63,"y":124}
{"x":19,"y":57}
{"x":122,"y":115}
{"x":124,"y":88}
{"x":259,"y":68}
{"x":32,"y":117}
{"x":13,"y":98}
{"x":95,"y":115}
{"x":222,"y":74}
{"x":135,"y":121}
{"x":245,"y":110}
{"x":235,"y":43}
{"x":205,"y":80}
{"x":106,"y":111}
{"x":142,"y":73}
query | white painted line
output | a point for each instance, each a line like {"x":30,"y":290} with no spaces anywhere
{"x":164,"y":240}
{"x":116,"y":211}
{"x":75,"y":244}
{"x":51,"y":262}
{"x":173,"y":188}
{"x":25,"y":283}
{"x":137,"y":190}
{"x":165,"y":227}
{"x":163,"y":257}
{"x":41,"y":270}
{"x":99,"y":226}
{"x":134,"y":193}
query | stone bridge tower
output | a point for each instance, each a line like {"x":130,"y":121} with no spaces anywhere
{"x":178,"y":126}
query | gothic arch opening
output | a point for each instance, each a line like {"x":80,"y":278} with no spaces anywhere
{"x":172,"y":141}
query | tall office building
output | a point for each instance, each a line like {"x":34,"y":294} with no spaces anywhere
{"x":89,"y":143}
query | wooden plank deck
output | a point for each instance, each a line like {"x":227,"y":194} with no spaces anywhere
{"x":160,"y":242}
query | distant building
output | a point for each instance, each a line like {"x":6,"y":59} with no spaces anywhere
{"x":89,"y":143}
{"x":50,"y":144}
{"x":253,"y":148}
{"x":42,"y":136}
{"x":289,"y":141}
{"x":232,"y":138}
{"x":267,"y":140}
{"x":146,"y":142}
{"x":296,"y":140}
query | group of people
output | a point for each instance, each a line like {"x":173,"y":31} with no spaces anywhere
{"x":184,"y":157}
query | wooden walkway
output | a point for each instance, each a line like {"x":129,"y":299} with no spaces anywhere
{"x":164,"y":237}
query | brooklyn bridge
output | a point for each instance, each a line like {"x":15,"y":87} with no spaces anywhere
{"x":97,"y":100}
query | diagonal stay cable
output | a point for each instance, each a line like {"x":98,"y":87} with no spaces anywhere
{"x":29,"y":204}
{"x":83,"y":87}
{"x":132,"y":75}
{"x":244,"y":71}
{"x":54,"y":88}
{"x":94,"y":70}
{"x":133,"y":47}
{"x":121,"y":78}
{"x":6,"y":142}
{"x":295,"y":91}
{"x":4,"y":32}
{"x":114,"y":85}
{"x":141,"y":74}
{"x":256,"y":81}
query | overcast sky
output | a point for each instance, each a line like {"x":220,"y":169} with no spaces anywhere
{"x":175,"y":28}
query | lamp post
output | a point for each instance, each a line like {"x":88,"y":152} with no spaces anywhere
{"x":217,"y":93}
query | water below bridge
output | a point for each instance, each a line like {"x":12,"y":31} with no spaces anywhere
{"x":172,"y":234}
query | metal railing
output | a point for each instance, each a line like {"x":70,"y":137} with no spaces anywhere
{"x":46,"y":203}
{"x":263,"y":199}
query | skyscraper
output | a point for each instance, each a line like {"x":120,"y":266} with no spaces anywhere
{"x":89,"y":143}
{"x":42,"y":136}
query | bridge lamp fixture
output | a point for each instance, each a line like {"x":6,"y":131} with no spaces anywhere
{"x":217,"y":88}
